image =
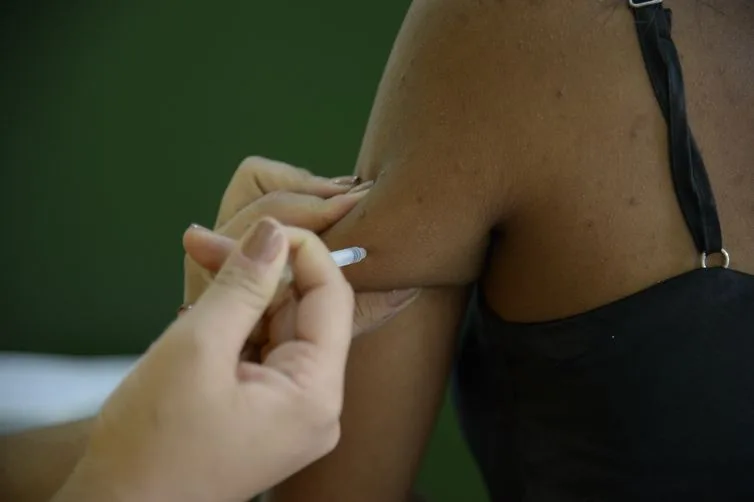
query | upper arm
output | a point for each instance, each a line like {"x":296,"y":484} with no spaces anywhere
{"x":425,"y":223}
{"x":440,"y":185}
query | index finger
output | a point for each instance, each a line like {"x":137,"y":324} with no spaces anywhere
{"x":325,"y":310}
{"x":257,"y":176}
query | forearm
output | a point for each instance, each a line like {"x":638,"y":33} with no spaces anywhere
{"x":93,"y":480}
{"x":35,"y":464}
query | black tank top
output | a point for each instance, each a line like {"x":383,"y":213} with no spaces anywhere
{"x":650,"y":398}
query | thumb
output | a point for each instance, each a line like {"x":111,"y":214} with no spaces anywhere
{"x":242,"y":290}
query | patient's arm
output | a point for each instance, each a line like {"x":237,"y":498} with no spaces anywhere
{"x":394,"y":387}
{"x":433,"y":146}
{"x":425,"y":223}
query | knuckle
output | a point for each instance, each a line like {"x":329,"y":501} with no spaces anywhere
{"x":324,"y":214}
{"x":303,"y":172}
{"x":316,"y":210}
{"x":306,"y":241}
{"x":314,"y":204}
{"x":253,"y":173}
{"x":275,"y":204}
{"x":309,"y":238}
{"x":248,"y":171}
{"x":331,"y":438}
{"x":291,"y":208}
{"x":273,"y":198}
{"x":263,"y":167}
{"x":252,"y":163}
{"x":324,"y":416}
{"x":247,"y":286}
{"x":308,"y":367}
{"x":321,"y":439}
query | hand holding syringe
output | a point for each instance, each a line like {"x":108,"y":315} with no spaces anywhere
{"x":261,"y":340}
{"x":342,"y":258}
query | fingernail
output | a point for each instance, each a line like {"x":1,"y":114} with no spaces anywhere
{"x":265,"y":242}
{"x":197,"y":226}
{"x":401,"y":297}
{"x":346,"y":180}
{"x":360,"y":188}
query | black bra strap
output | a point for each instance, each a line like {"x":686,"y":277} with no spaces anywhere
{"x":692,"y":187}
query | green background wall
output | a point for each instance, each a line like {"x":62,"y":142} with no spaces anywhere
{"x":122,"y":122}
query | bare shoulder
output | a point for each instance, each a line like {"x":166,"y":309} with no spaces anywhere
{"x":440,"y":184}
{"x":454,"y":132}
{"x":454,"y":135}
{"x":491,"y":113}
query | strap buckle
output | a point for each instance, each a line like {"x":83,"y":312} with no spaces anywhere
{"x":638,"y":4}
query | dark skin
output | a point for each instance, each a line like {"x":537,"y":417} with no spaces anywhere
{"x":530,"y":126}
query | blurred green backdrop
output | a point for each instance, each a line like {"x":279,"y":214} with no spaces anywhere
{"x":122,"y":122}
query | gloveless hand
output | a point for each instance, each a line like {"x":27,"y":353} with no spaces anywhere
{"x":193,"y":422}
{"x":294,"y":196}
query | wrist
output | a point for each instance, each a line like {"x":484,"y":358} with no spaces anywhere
{"x":84,"y":488}
{"x":91,"y":481}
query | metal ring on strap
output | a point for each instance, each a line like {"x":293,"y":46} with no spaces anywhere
{"x":723,"y":253}
{"x":638,"y":4}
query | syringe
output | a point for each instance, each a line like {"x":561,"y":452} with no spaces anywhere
{"x":348,"y":256}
